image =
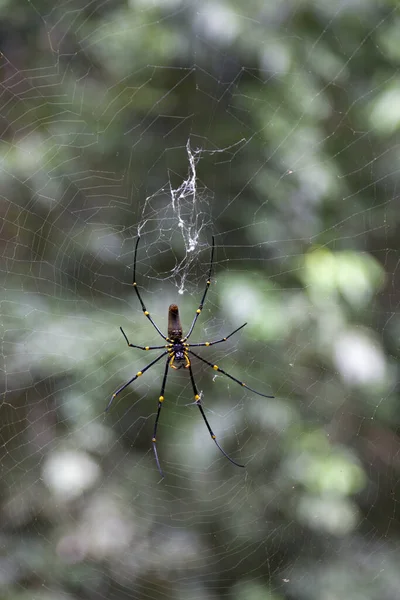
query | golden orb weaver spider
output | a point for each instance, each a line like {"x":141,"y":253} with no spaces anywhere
{"x":178,"y":352}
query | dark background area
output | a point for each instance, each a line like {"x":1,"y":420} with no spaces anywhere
{"x":273,"y":127}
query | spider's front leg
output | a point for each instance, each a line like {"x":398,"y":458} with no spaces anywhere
{"x":217,"y":368}
{"x":160,"y":403}
{"x":138,"y":374}
{"x":200,"y":407}
{"x":187,"y":359}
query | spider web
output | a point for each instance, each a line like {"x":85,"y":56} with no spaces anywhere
{"x":178,"y":121}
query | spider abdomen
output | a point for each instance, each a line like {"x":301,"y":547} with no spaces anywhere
{"x":174,"y":323}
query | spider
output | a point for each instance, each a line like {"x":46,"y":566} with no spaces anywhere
{"x":177,"y":351}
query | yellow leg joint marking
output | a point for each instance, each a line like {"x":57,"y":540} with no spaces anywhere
{"x":139,"y":374}
{"x":207,"y":343}
{"x":215,"y":367}
{"x":114,"y":395}
{"x":146,"y":312}
{"x":198,"y":311}
{"x":147,"y":348}
{"x":171,"y":362}
{"x":214,"y":437}
{"x":161,"y":399}
{"x":244,"y":384}
{"x":197,"y":397}
{"x":208,"y":282}
{"x":134,"y":283}
{"x":153,"y":440}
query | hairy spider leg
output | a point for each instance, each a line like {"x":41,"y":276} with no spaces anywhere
{"x":208,"y":283}
{"x":198,"y":403}
{"x":217,"y":341}
{"x":160,"y":403}
{"x":216,"y":368}
{"x":138,"y":374}
{"x":142,"y":347}
{"x":144,"y":309}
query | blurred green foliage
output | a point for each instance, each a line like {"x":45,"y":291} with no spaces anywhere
{"x":291,"y":114}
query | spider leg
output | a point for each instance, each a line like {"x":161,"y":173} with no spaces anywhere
{"x":144,"y":309}
{"x":208,"y":282}
{"x":160,"y":403}
{"x":198,"y":403}
{"x":216,"y":368}
{"x":141,"y":347}
{"x":219,"y":341}
{"x":153,"y":362}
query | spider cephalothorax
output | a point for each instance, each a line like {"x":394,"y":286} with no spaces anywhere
{"x":179,"y":354}
{"x":177,"y":350}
